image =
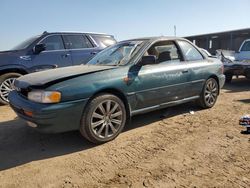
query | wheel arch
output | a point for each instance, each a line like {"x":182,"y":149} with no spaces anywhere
{"x":217,"y":80}
{"x":117,"y":93}
{"x":13,"y":70}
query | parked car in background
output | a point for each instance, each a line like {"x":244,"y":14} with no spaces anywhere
{"x":240,"y":65}
{"x":228,"y":54}
{"x":244,"y":52}
{"x":125,"y":79}
{"x":48,"y":51}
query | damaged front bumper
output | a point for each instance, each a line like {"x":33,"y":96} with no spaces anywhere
{"x":49,"y":118}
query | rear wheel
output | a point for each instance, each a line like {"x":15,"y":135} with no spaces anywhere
{"x":229,"y":78}
{"x":248,"y":130}
{"x":103,"y":119}
{"x":6,"y":86}
{"x":247,"y":73}
{"x":209,"y":93}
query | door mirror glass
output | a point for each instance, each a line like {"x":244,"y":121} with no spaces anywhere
{"x":39,"y":48}
{"x":148,"y":60}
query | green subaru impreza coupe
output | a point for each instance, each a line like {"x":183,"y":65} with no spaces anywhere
{"x":128,"y":78}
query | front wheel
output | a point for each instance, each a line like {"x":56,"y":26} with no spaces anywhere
{"x":103,"y":119}
{"x":209,"y":93}
{"x":6,"y":86}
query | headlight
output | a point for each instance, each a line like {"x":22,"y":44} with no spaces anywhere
{"x":45,"y":96}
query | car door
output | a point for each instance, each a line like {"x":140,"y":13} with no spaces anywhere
{"x":81,"y":49}
{"x":164,"y":82}
{"x":197,"y":65}
{"x":55,"y":55}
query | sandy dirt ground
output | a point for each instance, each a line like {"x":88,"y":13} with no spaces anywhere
{"x":166,"y":148}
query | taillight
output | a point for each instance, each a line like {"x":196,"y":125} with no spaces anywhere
{"x":222,"y":69}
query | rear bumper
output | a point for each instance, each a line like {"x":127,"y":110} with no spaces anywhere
{"x":237,"y":70}
{"x":49,"y":118}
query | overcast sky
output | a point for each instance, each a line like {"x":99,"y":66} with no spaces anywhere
{"x":124,"y":19}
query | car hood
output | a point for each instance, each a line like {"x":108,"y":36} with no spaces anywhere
{"x":7,"y":52}
{"x":44,"y":79}
{"x":9,"y":57}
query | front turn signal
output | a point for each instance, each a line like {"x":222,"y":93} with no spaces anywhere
{"x":44,"y":96}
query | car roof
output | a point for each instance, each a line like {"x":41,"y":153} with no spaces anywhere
{"x":77,"y":32}
{"x":157,"y":38}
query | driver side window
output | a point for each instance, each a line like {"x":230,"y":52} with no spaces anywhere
{"x":53,"y":42}
{"x":164,"y":51}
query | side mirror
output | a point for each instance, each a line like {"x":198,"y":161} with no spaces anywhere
{"x":39,"y":48}
{"x":148,"y":60}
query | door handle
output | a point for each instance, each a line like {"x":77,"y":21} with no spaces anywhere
{"x":65,"y":55}
{"x":184,"y":72}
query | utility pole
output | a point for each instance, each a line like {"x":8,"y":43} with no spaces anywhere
{"x":175,"y":30}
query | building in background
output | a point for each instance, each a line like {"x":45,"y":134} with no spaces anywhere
{"x":227,"y":40}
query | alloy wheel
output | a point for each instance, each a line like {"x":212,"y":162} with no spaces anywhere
{"x":106,"y":119}
{"x":211,"y":92}
{"x":6,"y":87}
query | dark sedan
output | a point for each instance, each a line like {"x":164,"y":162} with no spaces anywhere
{"x":128,"y":78}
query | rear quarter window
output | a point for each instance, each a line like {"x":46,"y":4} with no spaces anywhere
{"x":103,"y":41}
{"x":189,"y":51}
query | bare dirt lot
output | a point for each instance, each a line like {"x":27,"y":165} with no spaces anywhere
{"x":166,"y":148}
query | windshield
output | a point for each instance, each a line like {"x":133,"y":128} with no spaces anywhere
{"x":246,"y":46}
{"x":118,"y":54}
{"x":25,"y":43}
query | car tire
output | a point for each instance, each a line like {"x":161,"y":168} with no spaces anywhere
{"x":229,"y":78}
{"x":103,"y":118}
{"x":6,"y":85}
{"x":209,"y":93}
